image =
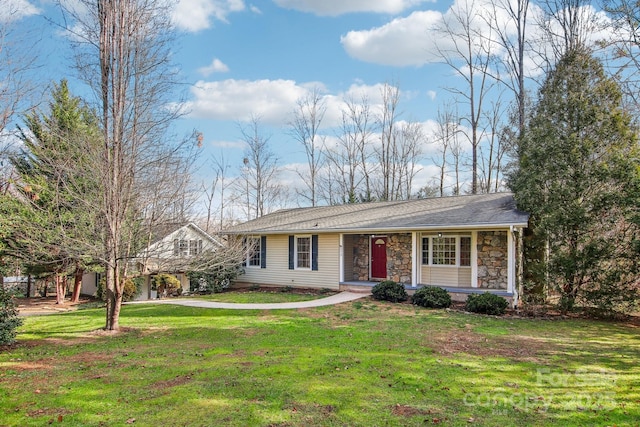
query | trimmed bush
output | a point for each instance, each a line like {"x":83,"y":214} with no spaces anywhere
{"x":431,"y":297}
{"x":486,"y":303}
{"x":167,"y":284}
{"x":131,"y":288}
{"x":9,"y":320}
{"x":213,"y":282}
{"x":389,"y":290}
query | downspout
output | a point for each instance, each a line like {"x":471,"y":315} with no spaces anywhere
{"x":518,"y":235}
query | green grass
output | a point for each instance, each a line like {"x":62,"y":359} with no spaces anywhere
{"x":365,"y":363}
{"x":262,"y":297}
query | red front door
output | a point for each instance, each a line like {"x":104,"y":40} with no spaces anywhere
{"x":378,"y":257}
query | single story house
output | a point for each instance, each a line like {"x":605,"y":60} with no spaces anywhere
{"x":171,"y":249}
{"x":465,"y":244}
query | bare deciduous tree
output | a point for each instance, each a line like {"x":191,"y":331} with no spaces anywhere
{"x":468,"y":50}
{"x":567,"y":25}
{"x":304,"y":127}
{"x":625,"y":48}
{"x":511,"y":34}
{"x":123,"y":52}
{"x":409,"y":154}
{"x":348,"y":161}
{"x":493,"y":150}
{"x":445,"y":134}
{"x":259,"y":173}
{"x":216,"y":190}
{"x":18,"y":53}
{"x":387,"y":148}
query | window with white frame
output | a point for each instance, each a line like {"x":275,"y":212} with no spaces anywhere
{"x":180,"y":247}
{"x":254,"y":255}
{"x":184,"y":247}
{"x":465,"y":251}
{"x":195,"y":247}
{"x":303,"y":252}
{"x":450,"y":250}
{"x":443,"y":250}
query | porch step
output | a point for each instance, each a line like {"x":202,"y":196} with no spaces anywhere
{"x":360,"y":289}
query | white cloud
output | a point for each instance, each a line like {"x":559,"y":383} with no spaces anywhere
{"x":240,"y":145}
{"x":15,"y":10}
{"x":270,"y":100}
{"x":416,"y":39}
{"x":432,"y":94}
{"x":216,"y":66}
{"x":401,"y":42}
{"x":273,"y":101}
{"x":196,"y":15}
{"x":340,"y":7}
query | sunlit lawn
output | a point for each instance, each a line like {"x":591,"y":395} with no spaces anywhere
{"x":263,"y":297}
{"x":363,"y":363}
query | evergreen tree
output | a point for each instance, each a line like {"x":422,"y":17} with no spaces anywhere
{"x":48,"y":227}
{"x":577,"y":175}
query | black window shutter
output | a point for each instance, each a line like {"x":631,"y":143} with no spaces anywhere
{"x":244,"y":251}
{"x":263,"y":251}
{"x":291,"y":249}
{"x":314,"y":252}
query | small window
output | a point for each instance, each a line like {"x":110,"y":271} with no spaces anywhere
{"x":195,"y":247}
{"x":180,"y":247}
{"x":465,"y":251}
{"x":303,"y":252}
{"x":253,"y":251}
{"x":425,"y":250}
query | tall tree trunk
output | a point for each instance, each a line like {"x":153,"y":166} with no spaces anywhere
{"x":60,"y":288}
{"x":77,"y":284}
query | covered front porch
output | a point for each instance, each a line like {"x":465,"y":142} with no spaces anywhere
{"x":460,"y":261}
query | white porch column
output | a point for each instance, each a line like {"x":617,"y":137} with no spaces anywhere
{"x":511,"y":265}
{"x":341,"y":259}
{"x":474,"y":259}
{"x":414,"y":259}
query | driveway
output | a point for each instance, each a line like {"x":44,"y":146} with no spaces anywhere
{"x":330,"y":300}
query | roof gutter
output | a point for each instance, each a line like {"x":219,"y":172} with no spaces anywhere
{"x":448,"y":227}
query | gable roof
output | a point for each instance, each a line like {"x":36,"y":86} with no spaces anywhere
{"x":475,"y":211}
{"x":168,"y":231}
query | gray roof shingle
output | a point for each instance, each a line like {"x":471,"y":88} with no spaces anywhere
{"x":483,"y":210}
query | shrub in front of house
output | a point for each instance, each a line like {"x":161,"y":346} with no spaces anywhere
{"x":487,"y":303}
{"x":9,"y":320}
{"x":431,"y":297}
{"x":389,"y":290}
{"x":213,"y":282}
{"x":132,"y":287}
{"x":167,"y":284}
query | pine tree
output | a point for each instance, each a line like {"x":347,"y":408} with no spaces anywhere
{"x":577,"y":175}
{"x":52,"y":230}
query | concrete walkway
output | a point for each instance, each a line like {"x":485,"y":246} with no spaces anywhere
{"x":331,"y":300}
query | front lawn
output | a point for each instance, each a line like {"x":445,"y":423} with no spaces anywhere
{"x":266,"y":296}
{"x":364,"y":363}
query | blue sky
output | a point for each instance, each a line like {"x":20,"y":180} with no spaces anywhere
{"x":242,"y":58}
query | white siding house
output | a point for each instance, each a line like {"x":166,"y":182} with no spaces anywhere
{"x":465,"y":244}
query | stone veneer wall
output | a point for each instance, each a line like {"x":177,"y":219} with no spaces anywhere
{"x":361,"y":257}
{"x":492,"y":259}
{"x":398,"y":257}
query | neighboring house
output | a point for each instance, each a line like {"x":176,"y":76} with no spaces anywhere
{"x":171,"y":249}
{"x":465,"y":244}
